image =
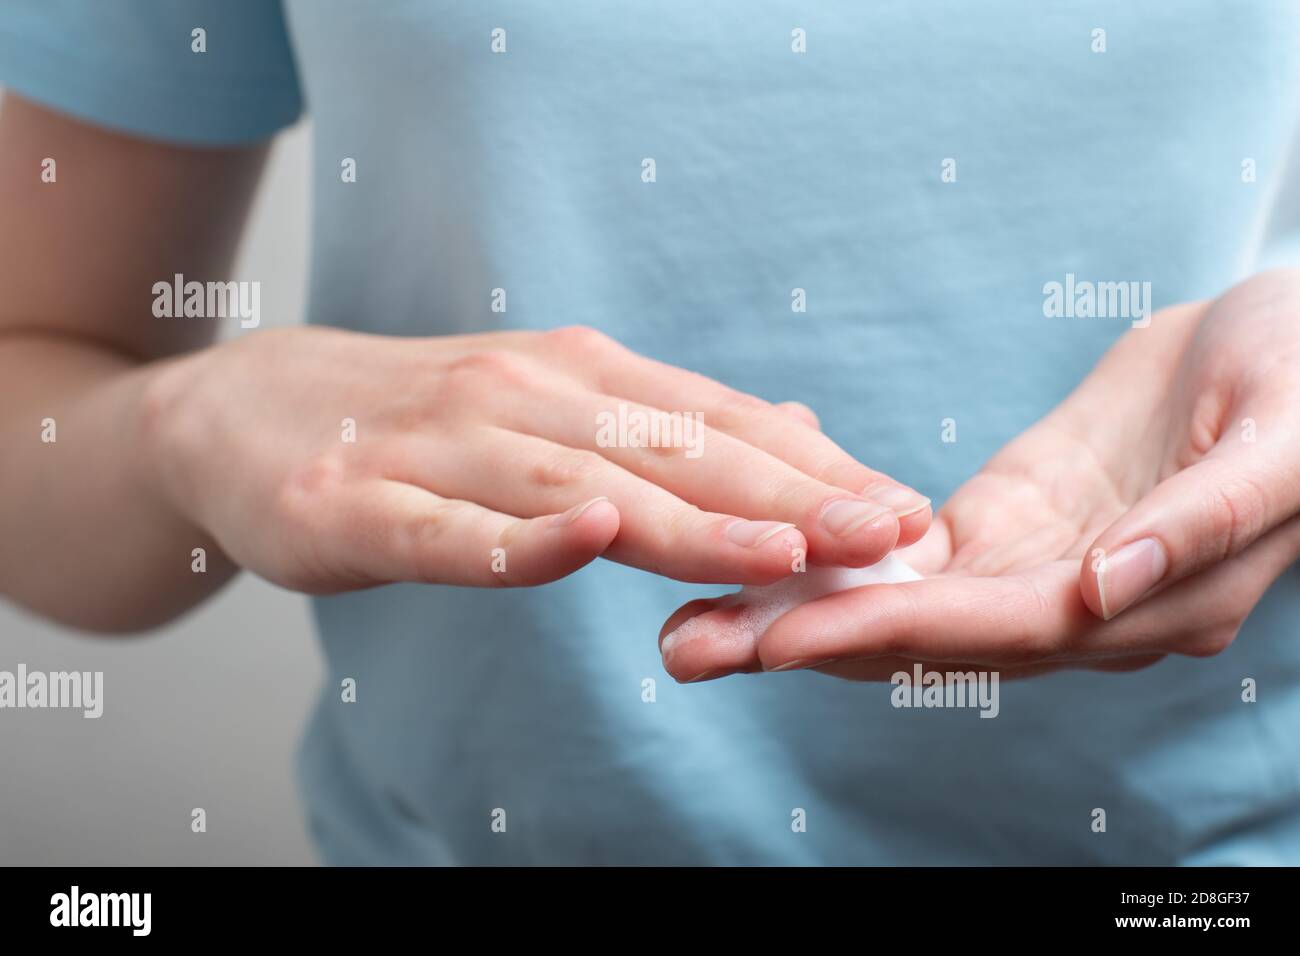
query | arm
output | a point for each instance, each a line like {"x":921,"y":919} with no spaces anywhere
{"x":86,"y":538}
{"x":480,"y":460}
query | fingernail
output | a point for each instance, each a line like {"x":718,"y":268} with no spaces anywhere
{"x":802,"y":662}
{"x":901,"y":501}
{"x":750,"y":534}
{"x":576,"y":512}
{"x":1129,"y":573}
{"x":846,"y":515}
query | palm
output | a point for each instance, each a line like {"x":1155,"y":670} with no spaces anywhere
{"x":1043,"y":498}
{"x":1141,"y":416}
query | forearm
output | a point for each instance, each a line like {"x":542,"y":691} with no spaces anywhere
{"x":88,"y":539}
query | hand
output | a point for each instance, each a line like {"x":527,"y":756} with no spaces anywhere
{"x":1145,"y":516}
{"x":478,"y":460}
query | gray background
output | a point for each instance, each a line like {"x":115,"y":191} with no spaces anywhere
{"x":204,"y":713}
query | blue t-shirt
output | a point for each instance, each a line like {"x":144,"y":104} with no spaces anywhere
{"x":920,"y":171}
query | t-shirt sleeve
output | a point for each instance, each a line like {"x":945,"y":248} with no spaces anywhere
{"x":134,"y":65}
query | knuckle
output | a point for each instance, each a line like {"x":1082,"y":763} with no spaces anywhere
{"x":567,"y":469}
{"x":681,"y":523}
{"x":306,"y":487}
{"x":1035,"y":644}
{"x":795,"y":497}
{"x":736,"y":410}
{"x":1237,"y":514}
{"x":833,"y":468}
{"x":662,"y":450}
{"x":581,"y":339}
{"x":490,"y":369}
{"x":801,"y":412}
{"x":510,"y":533}
{"x":511,"y":576}
{"x":425,"y":539}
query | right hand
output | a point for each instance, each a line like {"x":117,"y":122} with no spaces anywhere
{"x":467,"y":444}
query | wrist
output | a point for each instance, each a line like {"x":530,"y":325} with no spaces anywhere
{"x":167,"y":438}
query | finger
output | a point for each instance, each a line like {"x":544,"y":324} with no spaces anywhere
{"x":718,"y":643}
{"x":1003,"y":620}
{"x":714,"y":471}
{"x":684,"y":613}
{"x":801,"y":413}
{"x":526,"y":475}
{"x":724,"y":632}
{"x":763,"y":426}
{"x":1198,"y":517}
{"x":385,"y":531}
{"x":707,"y":639}
{"x":934,"y":551}
{"x":1027,"y":619}
{"x":612,"y":369}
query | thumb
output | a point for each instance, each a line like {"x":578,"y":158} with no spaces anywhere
{"x":1197,"y":517}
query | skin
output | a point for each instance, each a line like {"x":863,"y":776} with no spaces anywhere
{"x":465,"y":444}
{"x":1153,"y":444}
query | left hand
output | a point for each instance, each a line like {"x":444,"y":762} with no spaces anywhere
{"x":1146,"y":515}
